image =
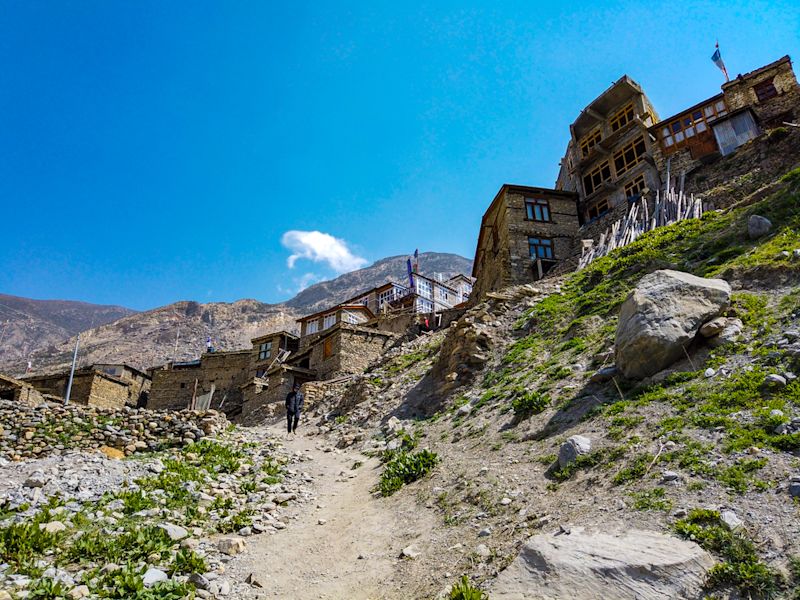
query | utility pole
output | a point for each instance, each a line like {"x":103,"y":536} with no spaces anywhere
{"x":72,"y":371}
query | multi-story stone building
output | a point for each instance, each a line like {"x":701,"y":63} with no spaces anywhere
{"x":610,"y":155}
{"x":524,"y":233}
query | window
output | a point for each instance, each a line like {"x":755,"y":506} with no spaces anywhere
{"x":327,"y":348}
{"x":765,"y":90}
{"x":629,"y":156}
{"x":424,"y":306}
{"x":537,"y":209}
{"x":183,"y":385}
{"x":386,"y":296}
{"x":598,"y":175}
{"x":443,"y":294}
{"x":312,"y":327}
{"x":329,"y":321}
{"x":264,"y":351}
{"x":260,"y":372}
{"x":352,"y":318}
{"x":424,"y":288}
{"x":589,"y":141}
{"x":598,"y":209}
{"x":689,"y":125}
{"x":541,"y":248}
{"x":634,"y":188}
{"x":621,"y":118}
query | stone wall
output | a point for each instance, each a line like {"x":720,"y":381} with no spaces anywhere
{"x":52,"y":428}
{"x":19,"y":392}
{"x":105,"y":391}
{"x":350,"y":349}
{"x":739,"y":92}
{"x":173,"y":388}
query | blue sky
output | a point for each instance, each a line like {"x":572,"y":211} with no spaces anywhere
{"x":155,"y":151}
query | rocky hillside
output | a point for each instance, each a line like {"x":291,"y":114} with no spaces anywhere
{"x":149,"y":338}
{"x":27,"y":324}
{"x":570,"y":435}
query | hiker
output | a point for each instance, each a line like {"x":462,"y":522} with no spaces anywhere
{"x":294,"y":404}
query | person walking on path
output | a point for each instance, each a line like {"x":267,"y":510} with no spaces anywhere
{"x":294,"y":404}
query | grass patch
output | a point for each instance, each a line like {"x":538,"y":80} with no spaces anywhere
{"x":405,"y":467}
{"x":464,"y":590}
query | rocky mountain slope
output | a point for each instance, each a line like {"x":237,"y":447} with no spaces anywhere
{"x":26,"y":324}
{"x":149,"y":338}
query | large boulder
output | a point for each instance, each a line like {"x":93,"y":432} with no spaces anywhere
{"x":603,"y":566}
{"x":758,"y":226}
{"x":572,"y":449}
{"x":662,"y":316}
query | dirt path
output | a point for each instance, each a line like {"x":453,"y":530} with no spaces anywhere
{"x":353,"y":554}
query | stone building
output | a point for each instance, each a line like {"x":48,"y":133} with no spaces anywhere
{"x":19,"y":391}
{"x":524,"y":233}
{"x":89,"y":388}
{"x":610,"y":155}
{"x":747,"y":106}
{"x":271,"y":349}
{"x":325,"y":319}
{"x":111,"y":385}
{"x":177,"y":383}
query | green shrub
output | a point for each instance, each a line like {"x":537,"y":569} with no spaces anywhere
{"x":464,"y":590}
{"x":405,"y":467}
{"x":531,"y":403}
{"x":651,"y":500}
{"x":741,"y":568}
{"x":635,"y":470}
{"x":188,"y":561}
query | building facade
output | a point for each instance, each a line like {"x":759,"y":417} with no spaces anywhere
{"x":524,"y":233}
{"x":610,"y":154}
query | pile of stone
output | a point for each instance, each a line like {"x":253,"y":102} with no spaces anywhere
{"x":35,"y":432}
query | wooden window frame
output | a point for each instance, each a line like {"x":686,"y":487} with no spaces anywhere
{"x":765,"y":90}
{"x":590,"y":140}
{"x":265,"y":350}
{"x":531,"y":204}
{"x":688,"y":125}
{"x":545,"y":244}
{"x":634,"y":188}
{"x":629,"y":156}
{"x":596,"y":177}
{"x":622,"y":117}
{"x":598,"y":209}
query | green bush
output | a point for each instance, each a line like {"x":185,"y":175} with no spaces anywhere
{"x":531,"y":403}
{"x":464,"y":590}
{"x":741,"y":567}
{"x":405,"y":467}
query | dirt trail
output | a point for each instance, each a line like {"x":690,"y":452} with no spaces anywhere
{"x":354,"y":554}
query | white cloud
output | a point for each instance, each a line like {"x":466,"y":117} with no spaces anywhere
{"x":321,"y":248}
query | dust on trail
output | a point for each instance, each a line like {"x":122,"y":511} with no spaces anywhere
{"x":355,"y":554}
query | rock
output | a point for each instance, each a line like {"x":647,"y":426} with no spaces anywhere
{"x":199,"y":581}
{"x":775,"y":412}
{"x":572,"y":449}
{"x":505,"y":501}
{"x":53,"y":527}
{"x":255,"y":581}
{"x":321,"y":522}
{"x":465,"y":410}
{"x":485,"y":532}
{"x":152,"y":576}
{"x":670,"y":476}
{"x":604,"y":374}
{"x":709,"y":372}
{"x":175,"y":532}
{"x":80,"y":591}
{"x":411,"y":551}
{"x":775,"y":380}
{"x":731,"y":519}
{"x":796,"y":253}
{"x":758,"y":226}
{"x":231,"y":545}
{"x":35,"y":480}
{"x":713,"y":327}
{"x":794,"y":489}
{"x":482,"y":550}
{"x":728,"y":335}
{"x":112,"y":452}
{"x":662,"y":316}
{"x":224,"y":587}
{"x":634,"y":564}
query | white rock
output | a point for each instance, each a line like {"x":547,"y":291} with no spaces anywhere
{"x":483,"y":551}
{"x":634,"y":564}
{"x":411,"y":551}
{"x":709,"y":372}
{"x":774,"y":379}
{"x":53,"y":527}
{"x":152,"y":576}
{"x":175,"y":532}
{"x":573,"y":448}
{"x":731,"y":519}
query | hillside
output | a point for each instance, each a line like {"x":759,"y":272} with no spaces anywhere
{"x":149,"y":338}
{"x":27,"y":325}
{"x":705,"y":450}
